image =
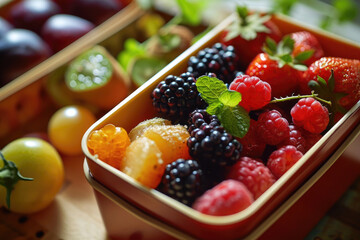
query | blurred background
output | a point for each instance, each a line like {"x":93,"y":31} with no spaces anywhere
{"x":341,"y":17}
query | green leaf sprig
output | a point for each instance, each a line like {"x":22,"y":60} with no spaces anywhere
{"x":224,"y":104}
{"x":325,"y":90}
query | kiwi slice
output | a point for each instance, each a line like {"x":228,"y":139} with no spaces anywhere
{"x":143,"y":68}
{"x":89,"y":71}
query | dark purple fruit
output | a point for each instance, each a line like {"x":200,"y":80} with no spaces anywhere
{"x":5,"y":26}
{"x":20,"y":50}
{"x":94,"y":10}
{"x":32,"y":14}
{"x":62,"y":29}
{"x":64,"y":5}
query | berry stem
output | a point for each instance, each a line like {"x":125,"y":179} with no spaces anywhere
{"x":9,"y":176}
{"x":312,"y":95}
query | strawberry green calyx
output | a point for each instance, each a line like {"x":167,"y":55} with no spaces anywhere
{"x":247,"y":25}
{"x":325,"y":90}
{"x":9,"y":176}
{"x":282,"y":53}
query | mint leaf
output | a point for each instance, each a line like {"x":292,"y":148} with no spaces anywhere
{"x":210,"y":88}
{"x":224,"y":104}
{"x":230,"y":98}
{"x":235,"y":120}
{"x":214,"y":108}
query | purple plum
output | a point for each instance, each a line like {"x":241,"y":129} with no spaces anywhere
{"x":62,"y":29}
{"x":95,"y":11}
{"x":20,"y":50}
{"x":32,"y":14}
{"x":5,"y":26}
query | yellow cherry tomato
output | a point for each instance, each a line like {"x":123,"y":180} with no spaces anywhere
{"x":67,"y":127}
{"x":40,"y":165}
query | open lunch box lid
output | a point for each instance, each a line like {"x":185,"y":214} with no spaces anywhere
{"x":138,"y":107}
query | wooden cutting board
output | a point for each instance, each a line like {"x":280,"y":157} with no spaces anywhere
{"x":73,"y":214}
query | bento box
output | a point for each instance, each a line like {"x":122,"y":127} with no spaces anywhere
{"x":120,"y":198}
{"x":307,"y":205}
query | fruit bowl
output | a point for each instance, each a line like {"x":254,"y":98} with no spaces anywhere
{"x":160,"y":214}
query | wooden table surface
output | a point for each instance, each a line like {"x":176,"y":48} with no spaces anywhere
{"x":73,"y":214}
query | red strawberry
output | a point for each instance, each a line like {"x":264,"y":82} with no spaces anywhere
{"x":345,"y":80}
{"x":248,"y":33}
{"x":277,"y":67}
{"x":307,"y":42}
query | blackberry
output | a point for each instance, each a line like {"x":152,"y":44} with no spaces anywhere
{"x":182,"y":181}
{"x":209,"y":143}
{"x":177,"y":96}
{"x":219,"y":59}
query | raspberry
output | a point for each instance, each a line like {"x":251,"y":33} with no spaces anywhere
{"x":283,"y":159}
{"x":182,"y":181}
{"x":176,"y":97}
{"x":296,"y":139}
{"x":252,"y":145}
{"x":255,"y":93}
{"x":209,"y":143}
{"x":219,"y":59}
{"x":272,"y":127}
{"x":310,"y":138}
{"x":309,"y":114}
{"x":253,"y":174}
{"x":226,"y":198}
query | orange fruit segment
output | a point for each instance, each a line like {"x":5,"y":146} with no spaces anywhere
{"x":171,"y":140}
{"x":109,"y":144}
{"x":143,"y":162}
{"x":139,"y":129}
